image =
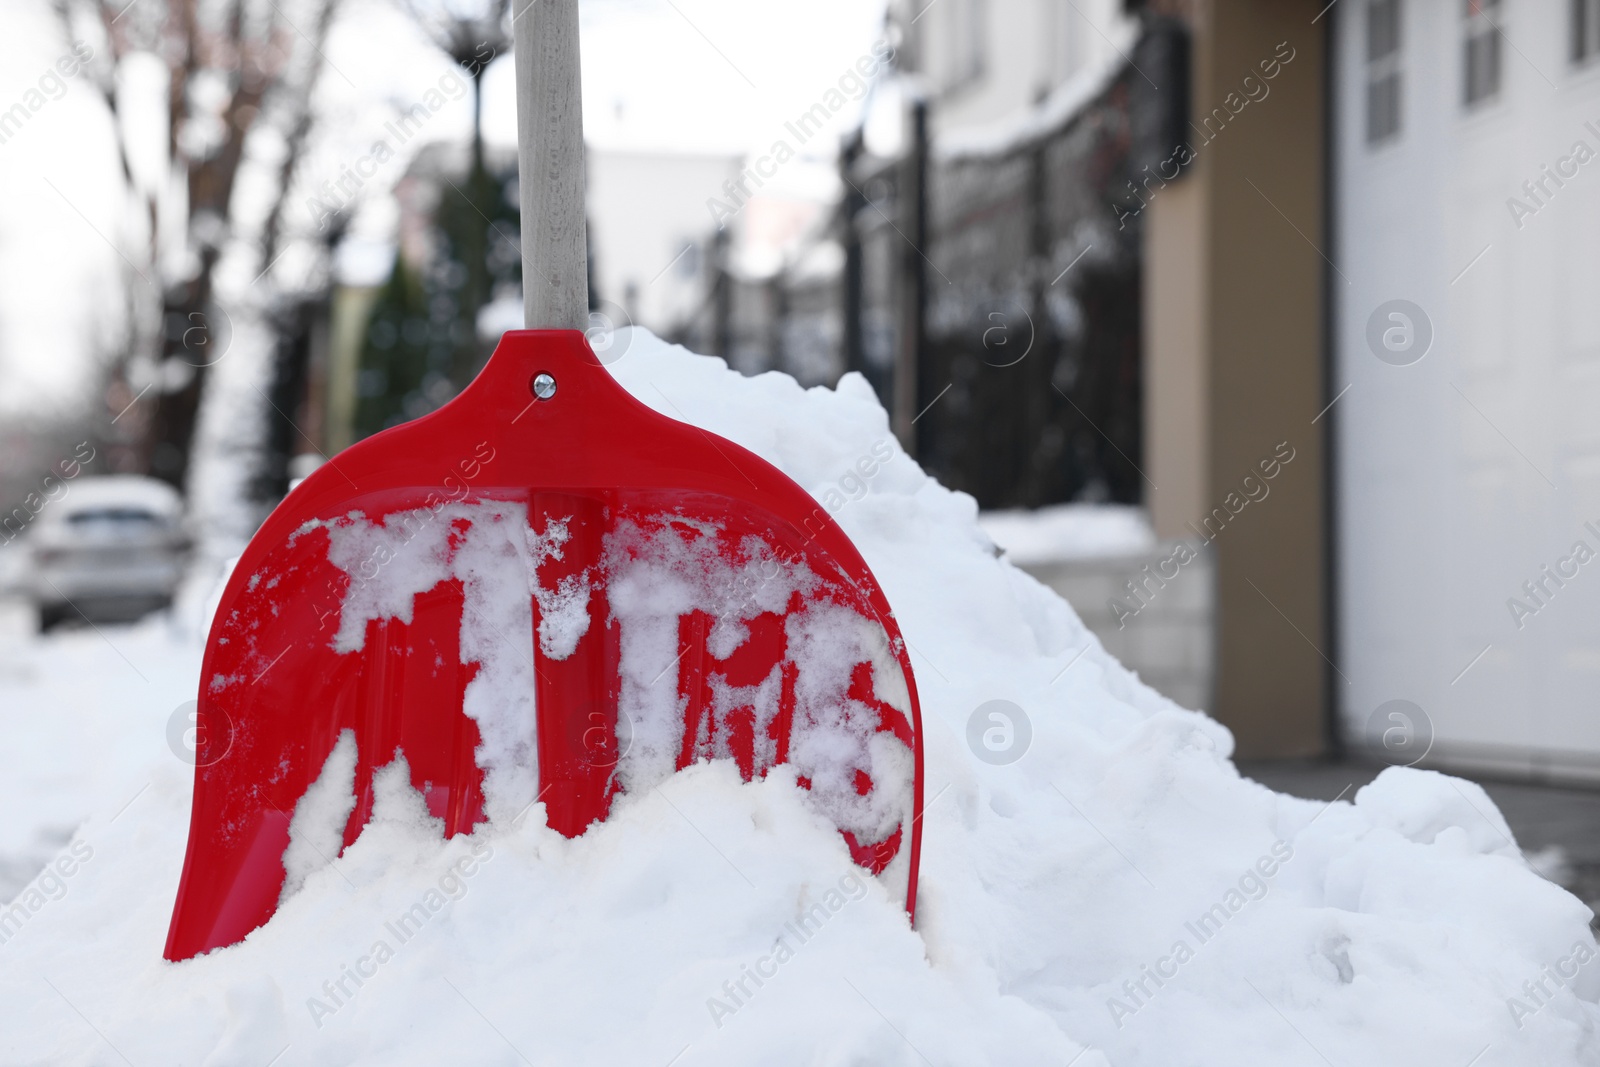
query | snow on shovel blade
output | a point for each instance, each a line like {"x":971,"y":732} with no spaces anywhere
{"x":544,"y":590}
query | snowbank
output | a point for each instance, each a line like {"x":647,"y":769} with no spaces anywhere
{"x":1069,"y":531}
{"x":1117,"y":895}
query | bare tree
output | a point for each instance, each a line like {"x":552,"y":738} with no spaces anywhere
{"x":472,"y":33}
{"x":235,"y":67}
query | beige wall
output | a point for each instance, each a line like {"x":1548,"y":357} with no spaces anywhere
{"x":1234,"y":366}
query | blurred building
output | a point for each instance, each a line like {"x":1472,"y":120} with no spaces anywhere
{"x":963,"y":254}
{"x":1044,"y":119}
{"x":648,"y":232}
{"x":1465,"y":225}
{"x":1375,"y":249}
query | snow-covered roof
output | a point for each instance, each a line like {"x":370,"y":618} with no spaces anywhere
{"x":1045,"y":117}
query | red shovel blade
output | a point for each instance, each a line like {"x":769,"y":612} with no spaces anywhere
{"x":528,"y":598}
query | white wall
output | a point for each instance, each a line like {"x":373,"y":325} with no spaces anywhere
{"x":644,"y":207}
{"x":1443,"y":505}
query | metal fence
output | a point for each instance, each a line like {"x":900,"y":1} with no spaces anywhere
{"x":1030,"y":364}
{"x":989,"y":293}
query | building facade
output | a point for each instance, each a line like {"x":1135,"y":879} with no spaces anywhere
{"x":1466,"y":343}
{"x":1381,"y":251}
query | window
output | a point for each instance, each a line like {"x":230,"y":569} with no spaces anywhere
{"x":1481,"y":65}
{"x":1585,"y":30}
{"x":1383,"y":70}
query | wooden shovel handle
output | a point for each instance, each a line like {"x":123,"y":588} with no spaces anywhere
{"x":555,"y":254}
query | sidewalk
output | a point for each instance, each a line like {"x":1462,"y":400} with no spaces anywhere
{"x":1558,"y":828}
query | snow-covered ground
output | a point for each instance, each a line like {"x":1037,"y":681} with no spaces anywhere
{"x":1118,"y":895}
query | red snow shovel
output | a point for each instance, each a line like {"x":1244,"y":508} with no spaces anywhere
{"x":543,"y":591}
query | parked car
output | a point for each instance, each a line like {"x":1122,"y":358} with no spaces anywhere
{"x":112,"y":549}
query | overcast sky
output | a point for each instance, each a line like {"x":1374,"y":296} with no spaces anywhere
{"x":661,"y":75}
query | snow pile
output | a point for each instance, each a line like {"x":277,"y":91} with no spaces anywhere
{"x":316,"y":831}
{"x":1069,"y":531}
{"x":1116,"y":895}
